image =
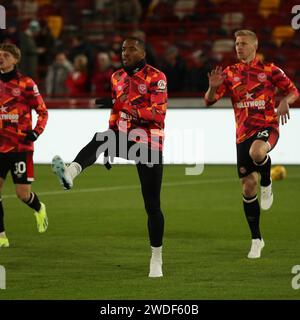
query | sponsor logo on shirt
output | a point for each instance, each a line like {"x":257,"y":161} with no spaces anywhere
{"x":35,"y":90}
{"x":161,"y":85}
{"x":260,"y":104}
{"x":3,"y":109}
{"x":11,"y":116}
{"x":8,"y":116}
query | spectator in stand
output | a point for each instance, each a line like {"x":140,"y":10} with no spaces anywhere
{"x":115,"y":52}
{"x":45,"y":43}
{"x":11,"y":33}
{"x":174,"y":68}
{"x":27,"y":9}
{"x":128,"y":11}
{"x":196,"y":77}
{"x":57,"y":75}
{"x":150,"y":52}
{"x":102,"y":76}
{"x":29,"y":60}
{"x":79,"y":46}
{"x":77,"y":80}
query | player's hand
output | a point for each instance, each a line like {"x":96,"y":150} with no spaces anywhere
{"x":104,"y":103}
{"x":215,"y":77}
{"x":283,"y":111}
{"x":31,"y":135}
{"x":129,"y":113}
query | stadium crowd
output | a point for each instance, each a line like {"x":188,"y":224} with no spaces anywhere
{"x":72,"y":48}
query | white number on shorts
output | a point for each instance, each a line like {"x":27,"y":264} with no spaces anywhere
{"x":263,"y":134}
{"x":20,"y":167}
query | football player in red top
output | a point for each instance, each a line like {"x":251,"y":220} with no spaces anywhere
{"x":139,"y":105}
{"x":252,"y":85}
{"x":18,"y":96}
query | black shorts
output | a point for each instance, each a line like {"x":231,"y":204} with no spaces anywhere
{"x":245,"y":164}
{"x":20,"y":164}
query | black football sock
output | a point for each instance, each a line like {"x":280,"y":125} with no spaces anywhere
{"x":1,"y":216}
{"x":264,"y":168}
{"x":88,"y":155}
{"x":34,"y":202}
{"x":156,"y":228}
{"x":252,"y":212}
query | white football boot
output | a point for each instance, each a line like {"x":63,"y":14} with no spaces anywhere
{"x":61,"y":170}
{"x":156,"y":263}
{"x":266,"y":197}
{"x":256,"y":247}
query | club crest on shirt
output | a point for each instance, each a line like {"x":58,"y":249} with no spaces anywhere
{"x":262,"y":77}
{"x":236,"y":79}
{"x":119,"y":88}
{"x":16,"y":92}
{"x":142,"y":88}
{"x":243,"y":170}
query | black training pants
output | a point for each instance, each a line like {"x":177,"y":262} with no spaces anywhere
{"x":150,"y":179}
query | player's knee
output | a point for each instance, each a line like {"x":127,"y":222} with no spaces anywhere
{"x":23,"y":195}
{"x":153,"y":208}
{"x":256,"y":154}
{"x":250,"y":188}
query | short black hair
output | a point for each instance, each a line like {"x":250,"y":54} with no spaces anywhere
{"x":140,"y":42}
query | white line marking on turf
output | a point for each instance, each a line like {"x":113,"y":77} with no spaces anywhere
{"x":116,"y":188}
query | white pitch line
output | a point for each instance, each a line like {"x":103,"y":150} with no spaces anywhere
{"x":117,"y":188}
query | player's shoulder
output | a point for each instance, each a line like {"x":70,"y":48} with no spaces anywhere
{"x":271,"y":68}
{"x":118,"y":73}
{"x":28,"y":84}
{"x":267,"y":65}
{"x":25,"y":80}
{"x":154,"y":73}
{"x":233,"y":67}
{"x":153,"y":70}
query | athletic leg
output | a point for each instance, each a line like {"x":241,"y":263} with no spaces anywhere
{"x":252,"y":213}
{"x":151,"y":179}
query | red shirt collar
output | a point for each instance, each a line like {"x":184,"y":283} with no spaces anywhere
{"x":252,"y":63}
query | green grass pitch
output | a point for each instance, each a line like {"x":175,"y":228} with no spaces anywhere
{"x":97,"y":247}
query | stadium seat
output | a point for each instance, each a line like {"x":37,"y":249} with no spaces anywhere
{"x":282,"y":33}
{"x":43,"y":2}
{"x":268,"y":7}
{"x":223,"y":45}
{"x":184,"y":7}
{"x":232,"y":21}
{"x":55,"y":24}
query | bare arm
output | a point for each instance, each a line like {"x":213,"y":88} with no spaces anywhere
{"x":283,"y":110}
